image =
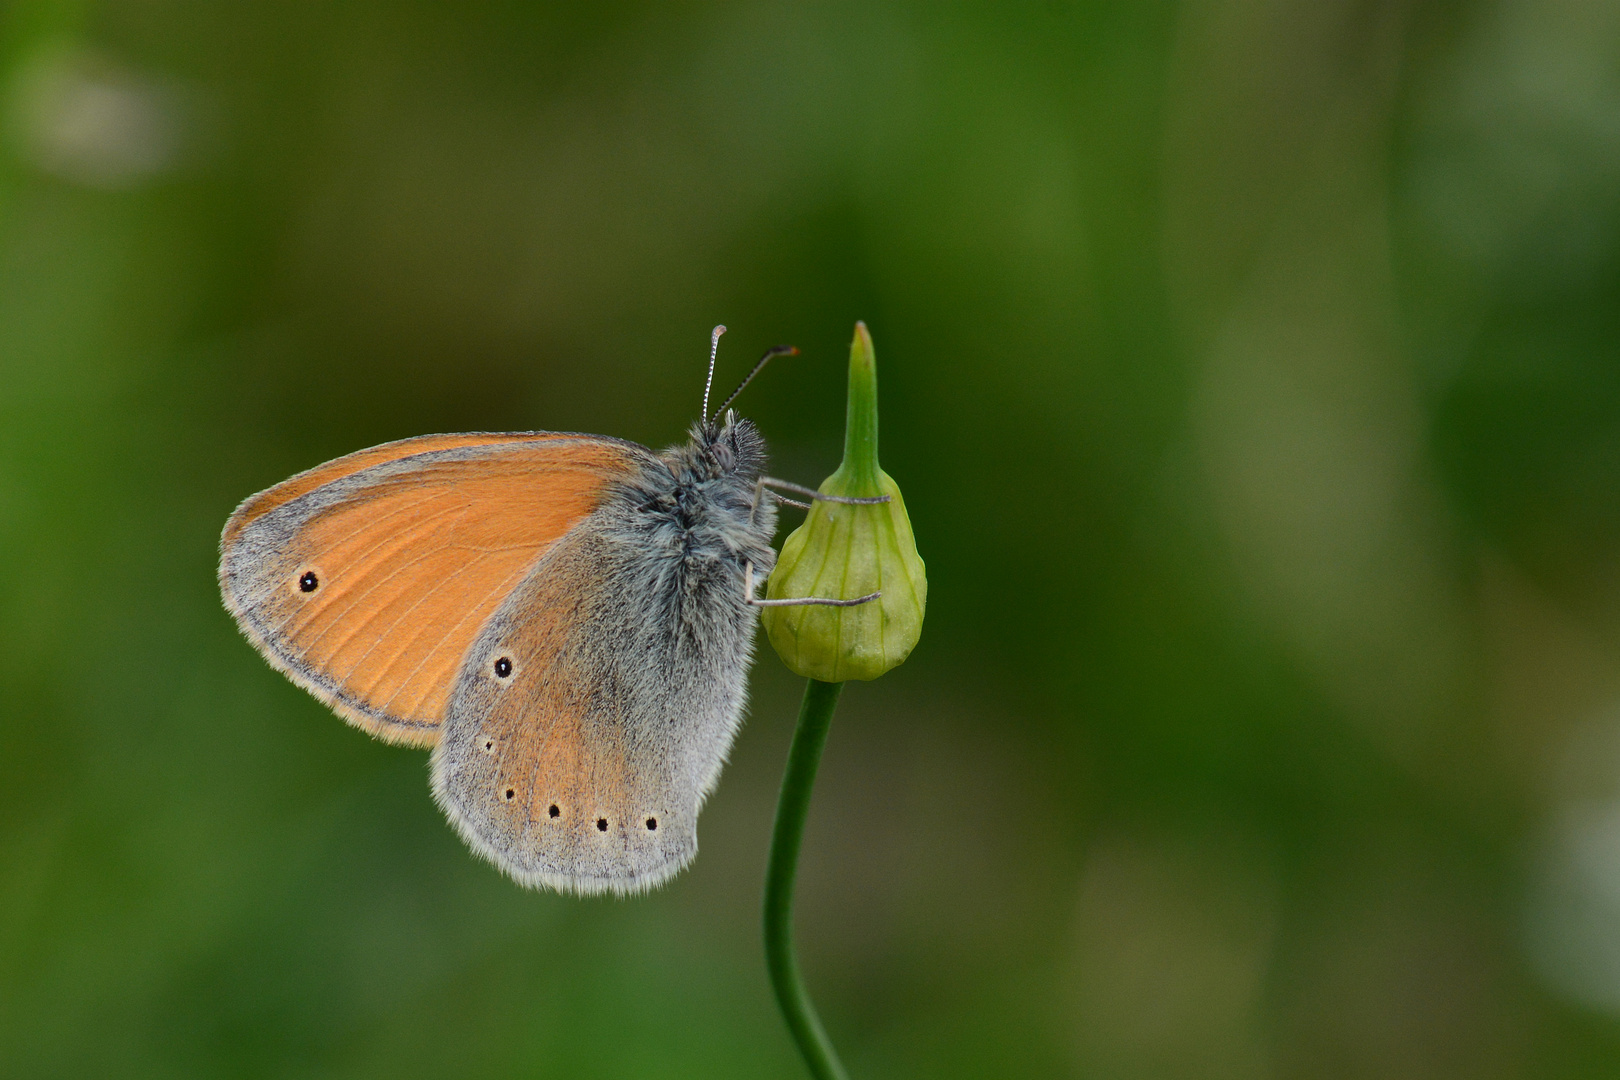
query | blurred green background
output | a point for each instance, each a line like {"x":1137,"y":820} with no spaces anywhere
{"x":1252,"y":371}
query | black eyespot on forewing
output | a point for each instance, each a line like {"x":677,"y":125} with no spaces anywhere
{"x":554,"y":811}
{"x":503,"y":668}
{"x":652,"y":823}
{"x":309,"y":582}
{"x":601,"y":824}
{"x":510,"y":794}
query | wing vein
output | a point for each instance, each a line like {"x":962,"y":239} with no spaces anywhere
{"x":382,"y":610}
{"x":504,"y":586}
{"x":397,"y":540}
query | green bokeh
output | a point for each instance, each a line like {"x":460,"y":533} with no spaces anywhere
{"x":1252,"y":371}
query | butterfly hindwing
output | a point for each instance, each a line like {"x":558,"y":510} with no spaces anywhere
{"x":584,"y":766}
{"x":366,"y":578}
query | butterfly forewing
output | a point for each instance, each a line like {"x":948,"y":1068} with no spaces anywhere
{"x":365,"y":579}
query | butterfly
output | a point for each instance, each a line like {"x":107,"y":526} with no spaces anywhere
{"x":567,"y":620}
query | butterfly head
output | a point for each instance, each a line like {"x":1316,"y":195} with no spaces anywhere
{"x":724,"y":447}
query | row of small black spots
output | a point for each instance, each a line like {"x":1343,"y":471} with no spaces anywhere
{"x":555,"y":811}
{"x":602,"y":822}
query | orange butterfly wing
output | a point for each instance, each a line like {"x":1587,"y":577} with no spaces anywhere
{"x":365,"y":579}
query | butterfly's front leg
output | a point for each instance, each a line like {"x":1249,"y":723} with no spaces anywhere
{"x":800,"y":601}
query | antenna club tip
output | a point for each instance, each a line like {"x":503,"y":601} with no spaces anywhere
{"x":714,"y":335}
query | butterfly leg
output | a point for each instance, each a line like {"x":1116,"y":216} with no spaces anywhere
{"x":816,"y":496}
{"x":761,"y":489}
{"x":799,"y":601}
{"x":759,"y":493}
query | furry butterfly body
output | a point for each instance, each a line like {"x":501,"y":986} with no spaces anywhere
{"x":562,"y":618}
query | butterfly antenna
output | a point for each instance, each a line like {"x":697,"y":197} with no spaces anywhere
{"x":778,"y":350}
{"x":714,"y":347}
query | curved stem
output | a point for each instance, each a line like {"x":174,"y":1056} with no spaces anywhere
{"x":815,"y":717}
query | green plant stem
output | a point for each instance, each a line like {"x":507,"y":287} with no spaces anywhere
{"x":815,"y":717}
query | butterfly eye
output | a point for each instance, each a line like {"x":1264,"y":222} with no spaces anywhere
{"x":503,"y":668}
{"x":309,"y":582}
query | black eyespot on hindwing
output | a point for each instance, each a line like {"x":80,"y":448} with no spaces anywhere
{"x":510,"y":794}
{"x":554,"y":811}
{"x":652,"y":823}
{"x":503,"y":668}
{"x":309,"y":582}
{"x":601,"y":824}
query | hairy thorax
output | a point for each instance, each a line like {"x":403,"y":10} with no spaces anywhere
{"x":700,"y":509}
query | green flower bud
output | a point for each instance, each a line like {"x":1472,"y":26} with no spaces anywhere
{"x":843,"y":551}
